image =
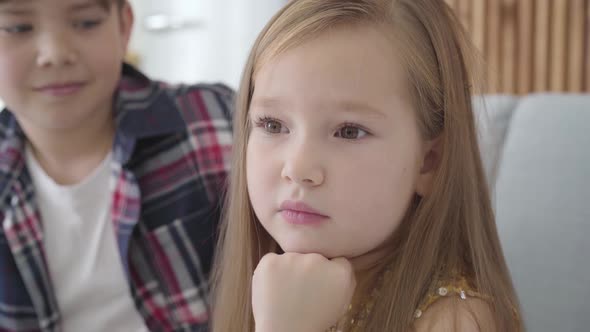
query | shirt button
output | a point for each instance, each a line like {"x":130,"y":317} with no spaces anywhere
{"x":8,"y":223}
{"x":463,"y":296}
{"x":418,"y":313}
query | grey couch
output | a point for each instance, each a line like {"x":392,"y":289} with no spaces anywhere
{"x":536,"y":151}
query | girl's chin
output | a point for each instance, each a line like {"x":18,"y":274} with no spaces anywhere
{"x":329,"y":254}
{"x":308,"y":250}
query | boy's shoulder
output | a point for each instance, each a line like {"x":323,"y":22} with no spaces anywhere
{"x":137,"y":93}
{"x":157,"y":123}
{"x":8,"y":124}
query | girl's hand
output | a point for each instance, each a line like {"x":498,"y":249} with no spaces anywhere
{"x":300,"y":292}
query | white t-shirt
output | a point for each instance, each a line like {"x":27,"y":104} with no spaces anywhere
{"x":82,"y":253}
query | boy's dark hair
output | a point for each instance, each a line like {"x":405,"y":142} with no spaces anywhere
{"x":106,"y":4}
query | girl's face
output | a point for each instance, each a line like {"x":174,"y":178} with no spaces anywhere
{"x":335,"y":155}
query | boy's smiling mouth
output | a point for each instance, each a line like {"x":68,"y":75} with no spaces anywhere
{"x":61,"y":89}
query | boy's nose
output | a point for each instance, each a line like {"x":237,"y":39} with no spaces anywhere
{"x":55,"y":50}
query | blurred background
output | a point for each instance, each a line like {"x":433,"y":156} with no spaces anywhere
{"x":531,"y":45}
{"x":191,"y":40}
{"x":528,"y":45}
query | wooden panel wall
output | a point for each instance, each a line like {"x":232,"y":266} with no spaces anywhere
{"x":531,"y":45}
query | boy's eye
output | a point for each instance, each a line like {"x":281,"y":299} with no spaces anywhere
{"x":350,"y":132}
{"x":17,"y":29}
{"x":87,"y":24}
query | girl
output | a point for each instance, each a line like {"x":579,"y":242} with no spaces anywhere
{"x":358,"y":200}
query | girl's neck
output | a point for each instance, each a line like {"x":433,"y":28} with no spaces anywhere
{"x":369,"y":283}
{"x":370,"y":269}
{"x":372,"y":260}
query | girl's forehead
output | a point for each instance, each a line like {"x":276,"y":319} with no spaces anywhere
{"x":342,"y":63}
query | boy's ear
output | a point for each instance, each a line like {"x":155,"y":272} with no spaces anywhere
{"x":430,"y":163}
{"x":127,"y":20}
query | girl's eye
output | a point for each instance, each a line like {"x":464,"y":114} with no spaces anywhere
{"x":351,"y":132}
{"x":18,"y":29}
{"x":271,"y":126}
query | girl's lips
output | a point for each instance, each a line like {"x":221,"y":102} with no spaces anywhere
{"x":303,"y":218}
{"x":299,"y":213}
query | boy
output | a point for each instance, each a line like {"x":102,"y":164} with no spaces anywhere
{"x":109,"y":183}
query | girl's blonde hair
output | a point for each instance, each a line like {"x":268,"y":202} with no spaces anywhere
{"x":451,"y":229}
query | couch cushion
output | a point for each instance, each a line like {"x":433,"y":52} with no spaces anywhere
{"x":493,"y":114}
{"x":543,"y":210}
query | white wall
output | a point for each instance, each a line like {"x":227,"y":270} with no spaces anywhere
{"x":214,"y":52}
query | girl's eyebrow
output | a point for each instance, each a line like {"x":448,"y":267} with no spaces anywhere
{"x":267,"y":102}
{"x":346,"y":106}
{"x":360,"y":108}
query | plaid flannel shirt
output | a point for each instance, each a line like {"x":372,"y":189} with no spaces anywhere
{"x":171,"y":158}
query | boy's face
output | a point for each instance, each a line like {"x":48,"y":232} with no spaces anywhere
{"x":60,"y":60}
